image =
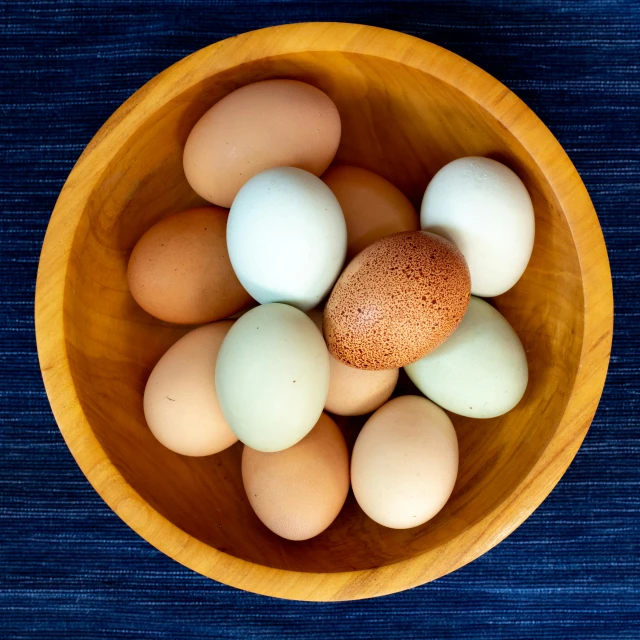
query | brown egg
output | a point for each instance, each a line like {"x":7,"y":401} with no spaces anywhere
{"x":273,"y":123}
{"x":354,"y":392}
{"x":179,"y":271}
{"x":298,"y":492}
{"x":396,"y":301}
{"x":180,"y":402}
{"x":373,"y":207}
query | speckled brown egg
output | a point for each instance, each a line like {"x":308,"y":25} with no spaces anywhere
{"x":399,"y":299}
{"x":179,"y":271}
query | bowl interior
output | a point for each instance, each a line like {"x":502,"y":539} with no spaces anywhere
{"x":403,"y":124}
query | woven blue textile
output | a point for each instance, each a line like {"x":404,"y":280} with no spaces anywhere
{"x":70,"y":568}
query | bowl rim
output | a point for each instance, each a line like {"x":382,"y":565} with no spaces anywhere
{"x":503,"y":105}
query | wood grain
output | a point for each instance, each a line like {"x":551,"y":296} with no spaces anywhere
{"x":407,"y":108}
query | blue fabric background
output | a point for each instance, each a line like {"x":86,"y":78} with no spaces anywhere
{"x":69,"y":568}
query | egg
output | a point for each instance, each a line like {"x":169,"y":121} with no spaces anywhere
{"x":373,"y":207}
{"x":354,"y":392}
{"x":396,"y":301}
{"x":480,"y":371}
{"x":405,"y":463}
{"x":297,"y":493}
{"x":287,"y":237}
{"x":272,"y":123}
{"x":179,"y":271}
{"x":483,"y":207}
{"x":180,"y":401}
{"x":272,"y":377}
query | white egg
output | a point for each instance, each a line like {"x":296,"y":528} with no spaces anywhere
{"x":287,"y":237}
{"x":480,"y":371}
{"x":272,"y":377}
{"x":486,"y":211}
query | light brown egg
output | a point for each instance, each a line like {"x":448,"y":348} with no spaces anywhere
{"x":273,"y":123}
{"x":298,"y":492}
{"x":396,"y":301}
{"x":354,"y":392}
{"x":373,"y":207}
{"x":179,"y":271}
{"x":405,"y":462}
{"x":180,"y":402}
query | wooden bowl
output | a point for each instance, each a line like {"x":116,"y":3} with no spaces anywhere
{"x":407,"y":107}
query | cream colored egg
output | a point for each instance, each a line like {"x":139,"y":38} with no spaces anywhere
{"x":484,"y":208}
{"x":298,"y":492}
{"x":480,"y":371}
{"x":180,"y":401}
{"x":405,"y":462}
{"x":272,"y":377}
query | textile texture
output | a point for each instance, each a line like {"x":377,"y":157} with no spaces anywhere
{"x":70,"y":568}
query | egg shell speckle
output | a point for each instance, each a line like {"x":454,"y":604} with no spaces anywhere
{"x":397,"y":300}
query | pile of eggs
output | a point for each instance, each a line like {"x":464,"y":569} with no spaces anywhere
{"x":410,"y":296}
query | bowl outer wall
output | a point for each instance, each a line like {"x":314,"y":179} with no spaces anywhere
{"x":505,"y":107}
